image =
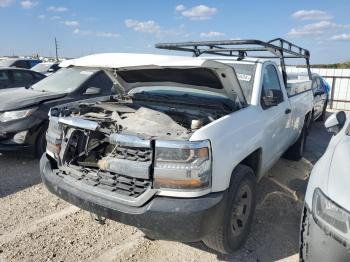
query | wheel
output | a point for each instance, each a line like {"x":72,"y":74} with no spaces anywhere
{"x":40,"y":145}
{"x":238,"y":215}
{"x":296,"y":151}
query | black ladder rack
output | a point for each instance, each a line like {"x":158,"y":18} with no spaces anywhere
{"x":275,"y":48}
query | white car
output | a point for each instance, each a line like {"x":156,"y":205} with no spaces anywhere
{"x":179,"y":152}
{"x":325,"y":228}
{"x":46,"y":68}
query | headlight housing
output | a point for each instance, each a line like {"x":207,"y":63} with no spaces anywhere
{"x":54,"y":137}
{"x":331,"y":216}
{"x":182,"y":165}
{"x":14,"y":115}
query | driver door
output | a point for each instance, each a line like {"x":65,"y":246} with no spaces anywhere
{"x":277,"y":117}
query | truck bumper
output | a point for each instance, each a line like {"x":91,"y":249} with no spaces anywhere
{"x":178,"y":219}
{"x":316,"y":245}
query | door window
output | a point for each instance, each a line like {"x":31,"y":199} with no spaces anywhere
{"x":22,"y":78}
{"x":4,"y":79}
{"x":271,"y":85}
{"x":21,"y":64}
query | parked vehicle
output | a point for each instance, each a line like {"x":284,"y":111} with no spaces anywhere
{"x":46,"y":68}
{"x":325,"y":228}
{"x":320,"y":90}
{"x":24,"y":112}
{"x":178,"y":153}
{"x":19,"y":62}
{"x":15,"y":77}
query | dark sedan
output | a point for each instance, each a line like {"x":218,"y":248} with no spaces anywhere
{"x":16,"y":77}
{"x":24,"y":112}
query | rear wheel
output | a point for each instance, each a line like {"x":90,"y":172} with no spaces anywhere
{"x":238,"y":215}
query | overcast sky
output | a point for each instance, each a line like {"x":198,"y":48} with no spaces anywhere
{"x":85,"y":27}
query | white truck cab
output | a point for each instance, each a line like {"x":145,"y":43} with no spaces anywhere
{"x":179,"y":151}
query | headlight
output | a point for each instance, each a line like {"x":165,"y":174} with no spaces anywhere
{"x":54,"y":137}
{"x":182,"y":165}
{"x":14,"y":115}
{"x":331,"y":216}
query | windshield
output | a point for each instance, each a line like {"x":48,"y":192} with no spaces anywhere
{"x":42,"y":67}
{"x":65,"y":80}
{"x":245,"y":74}
{"x":6,"y":62}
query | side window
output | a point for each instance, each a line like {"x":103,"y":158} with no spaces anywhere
{"x":21,"y":64}
{"x":22,"y":76}
{"x":3,"y":76}
{"x":99,"y":84}
{"x":4,"y":79}
{"x":271,"y":93}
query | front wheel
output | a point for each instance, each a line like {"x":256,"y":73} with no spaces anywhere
{"x":40,"y":145}
{"x":238,"y":215}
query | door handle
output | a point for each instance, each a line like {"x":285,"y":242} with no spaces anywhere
{"x":288,"y":111}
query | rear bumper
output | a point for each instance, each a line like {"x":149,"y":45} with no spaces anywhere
{"x":316,"y":245}
{"x":185,"y":220}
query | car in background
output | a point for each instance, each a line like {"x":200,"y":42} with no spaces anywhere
{"x":17,"y":77}
{"x":19,"y":62}
{"x":24,"y":112}
{"x":320,"y":89}
{"x":325,"y":225}
{"x":46,"y":68}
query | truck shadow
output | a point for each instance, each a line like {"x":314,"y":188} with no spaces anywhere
{"x":275,"y":230}
{"x":17,"y":172}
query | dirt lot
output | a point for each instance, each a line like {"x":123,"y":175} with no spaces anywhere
{"x":37,"y":226}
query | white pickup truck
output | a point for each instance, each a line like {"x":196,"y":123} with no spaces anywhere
{"x":179,"y":152}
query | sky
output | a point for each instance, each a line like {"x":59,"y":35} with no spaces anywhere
{"x":84,"y":27}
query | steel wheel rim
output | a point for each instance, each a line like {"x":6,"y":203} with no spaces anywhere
{"x":240,"y":214}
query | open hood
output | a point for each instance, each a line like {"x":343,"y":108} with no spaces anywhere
{"x":134,"y":70}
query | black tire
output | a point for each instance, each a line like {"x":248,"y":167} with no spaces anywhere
{"x":296,"y":151}
{"x":304,"y":234}
{"x":238,"y":215}
{"x":40,"y":144}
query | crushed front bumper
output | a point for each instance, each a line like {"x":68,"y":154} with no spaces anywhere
{"x":178,"y":219}
{"x":316,"y":245}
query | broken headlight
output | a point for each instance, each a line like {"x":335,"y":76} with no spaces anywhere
{"x":330,"y":216}
{"x":182,"y":165}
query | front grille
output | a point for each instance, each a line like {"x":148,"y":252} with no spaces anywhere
{"x":119,"y":184}
{"x":133,"y":154}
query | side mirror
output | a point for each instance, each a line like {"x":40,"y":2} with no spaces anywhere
{"x":335,"y":122}
{"x":50,"y":70}
{"x":92,"y":91}
{"x":272,"y":98}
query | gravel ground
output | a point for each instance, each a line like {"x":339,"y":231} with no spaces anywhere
{"x":37,"y":226}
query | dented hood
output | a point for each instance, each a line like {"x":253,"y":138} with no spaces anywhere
{"x":17,"y":98}
{"x":134,"y":70}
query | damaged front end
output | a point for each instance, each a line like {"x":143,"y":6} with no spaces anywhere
{"x":132,"y":151}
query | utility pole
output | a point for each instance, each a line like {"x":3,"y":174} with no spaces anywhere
{"x":56,"y":48}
